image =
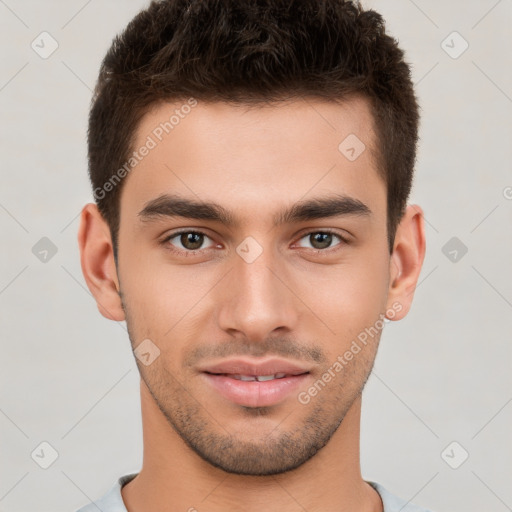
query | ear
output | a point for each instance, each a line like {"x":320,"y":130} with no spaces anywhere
{"x":406,"y":260}
{"x":98,"y":264}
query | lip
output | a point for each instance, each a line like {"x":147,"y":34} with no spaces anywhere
{"x":252,"y":367}
{"x":255,"y":393}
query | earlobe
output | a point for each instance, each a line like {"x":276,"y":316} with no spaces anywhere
{"x":97,"y":261}
{"x":406,"y":260}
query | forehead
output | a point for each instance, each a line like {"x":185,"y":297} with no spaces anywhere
{"x":255,"y":156}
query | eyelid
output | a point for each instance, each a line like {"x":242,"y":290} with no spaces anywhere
{"x":165,"y":241}
{"x":343,"y":239}
{"x":174,"y":234}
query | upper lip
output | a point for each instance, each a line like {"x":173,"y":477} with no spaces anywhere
{"x":251,"y":367}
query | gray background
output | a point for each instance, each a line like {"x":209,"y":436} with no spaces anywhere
{"x":442,"y":374}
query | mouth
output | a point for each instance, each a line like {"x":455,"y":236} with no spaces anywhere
{"x":259,"y":378}
{"x":255,"y":390}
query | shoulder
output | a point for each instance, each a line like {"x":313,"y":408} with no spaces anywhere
{"x":112,"y":500}
{"x":393,"y":503}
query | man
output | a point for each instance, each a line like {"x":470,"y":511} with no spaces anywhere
{"x":251,"y":163}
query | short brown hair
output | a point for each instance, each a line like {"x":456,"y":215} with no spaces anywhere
{"x":246,"y":52}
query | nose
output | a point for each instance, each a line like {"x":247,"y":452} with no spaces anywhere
{"x":257,"y":301}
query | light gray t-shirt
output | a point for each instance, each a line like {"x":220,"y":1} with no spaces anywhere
{"x":112,"y":501}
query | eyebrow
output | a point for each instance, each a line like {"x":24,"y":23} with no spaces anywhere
{"x":172,"y":206}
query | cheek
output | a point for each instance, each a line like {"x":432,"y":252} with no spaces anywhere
{"x":353,"y":297}
{"x":148,"y":297}
{"x":166,"y":303}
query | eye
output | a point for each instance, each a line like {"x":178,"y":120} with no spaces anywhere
{"x":188,"y":241}
{"x":321,"y":240}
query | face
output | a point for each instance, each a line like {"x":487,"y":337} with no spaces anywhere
{"x":248,"y":236}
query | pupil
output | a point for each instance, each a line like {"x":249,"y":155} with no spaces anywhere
{"x":192,"y":241}
{"x":321,"y":240}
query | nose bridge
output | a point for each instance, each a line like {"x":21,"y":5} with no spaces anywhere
{"x":257,"y":302}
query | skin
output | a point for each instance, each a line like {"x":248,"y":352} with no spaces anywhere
{"x":297,"y":300}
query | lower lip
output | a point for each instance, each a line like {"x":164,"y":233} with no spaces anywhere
{"x":255,"y":393}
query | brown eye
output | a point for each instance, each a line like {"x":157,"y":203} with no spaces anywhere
{"x":192,"y":241}
{"x":187,"y":241}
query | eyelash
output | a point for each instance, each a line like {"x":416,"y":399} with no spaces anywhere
{"x":167,"y":239}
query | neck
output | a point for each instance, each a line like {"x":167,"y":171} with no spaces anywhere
{"x":174,"y":478}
